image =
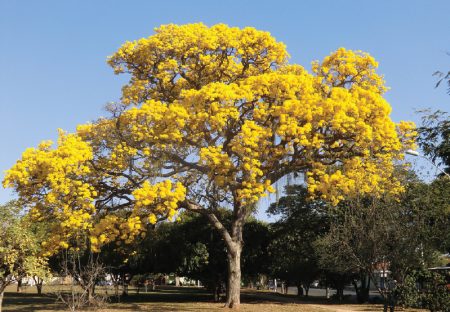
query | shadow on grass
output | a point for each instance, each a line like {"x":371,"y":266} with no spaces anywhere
{"x":271,"y":297}
{"x":29,"y":302}
{"x":172,"y":294}
{"x":166,"y":298}
{"x":191,"y":295}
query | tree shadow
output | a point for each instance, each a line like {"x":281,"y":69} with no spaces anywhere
{"x":26,"y":302}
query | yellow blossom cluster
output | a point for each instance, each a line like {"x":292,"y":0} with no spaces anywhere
{"x":53,"y":180}
{"x":120,"y":155}
{"x":220,"y":166}
{"x":345,"y":68}
{"x":407,"y":133}
{"x":156,"y":122}
{"x":213,"y":106}
{"x":159,"y":199}
{"x":356,"y":176}
{"x":250,"y":145}
{"x":173,"y":57}
{"x":112,"y":228}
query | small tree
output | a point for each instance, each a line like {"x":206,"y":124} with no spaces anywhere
{"x":19,"y":249}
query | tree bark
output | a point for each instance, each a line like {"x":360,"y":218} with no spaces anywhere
{"x":299,"y":290}
{"x":39,"y":289}
{"x":234,"y":276}
{"x":91,"y":292}
{"x":19,"y":285}
{"x":38,"y":282}
{"x":306,"y":290}
{"x":216,"y":291}
{"x":1,"y":299}
{"x":233,"y":241}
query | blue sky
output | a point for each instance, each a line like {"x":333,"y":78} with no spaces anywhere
{"x":53,"y":72}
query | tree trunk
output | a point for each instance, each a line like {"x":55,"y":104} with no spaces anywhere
{"x":1,"y":299}
{"x":125,"y":290}
{"x":216,"y":291}
{"x":306,"y":290}
{"x":19,"y":285}
{"x":91,"y":292}
{"x":233,"y":241}
{"x":234,"y":276}
{"x":362,"y":293}
{"x":38,"y":282}
{"x":340,"y":291}
{"x":299,"y":290}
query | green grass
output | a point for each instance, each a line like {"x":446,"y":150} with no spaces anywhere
{"x":178,"y":299}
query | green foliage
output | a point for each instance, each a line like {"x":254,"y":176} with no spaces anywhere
{"x":425,"y":289}
{"x":194,"y":249}
{"x":408,"y":294}
{"x":19,"y":248}
{"x":436,"y":297}
{"x":293,"y":257}
{"x":427,"y":209}
{"x":434,"y":137}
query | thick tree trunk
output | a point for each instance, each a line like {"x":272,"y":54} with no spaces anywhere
{"x":234,"y":277}
{"x":233,"y":241}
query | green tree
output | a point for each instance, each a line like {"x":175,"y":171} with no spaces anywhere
{"x":434,"y":137}
{"x":19,"y":249}
{"x":371,"y":232}
{"x":302,"y":221}
{"x":193,"y":248}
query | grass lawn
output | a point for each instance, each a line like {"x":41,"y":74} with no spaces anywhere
{"x":180,"y":299}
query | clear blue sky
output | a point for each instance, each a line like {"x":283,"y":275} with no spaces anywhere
{"x":52,"y":53}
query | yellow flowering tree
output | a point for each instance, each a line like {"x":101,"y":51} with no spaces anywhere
{"x":212,"y":117}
